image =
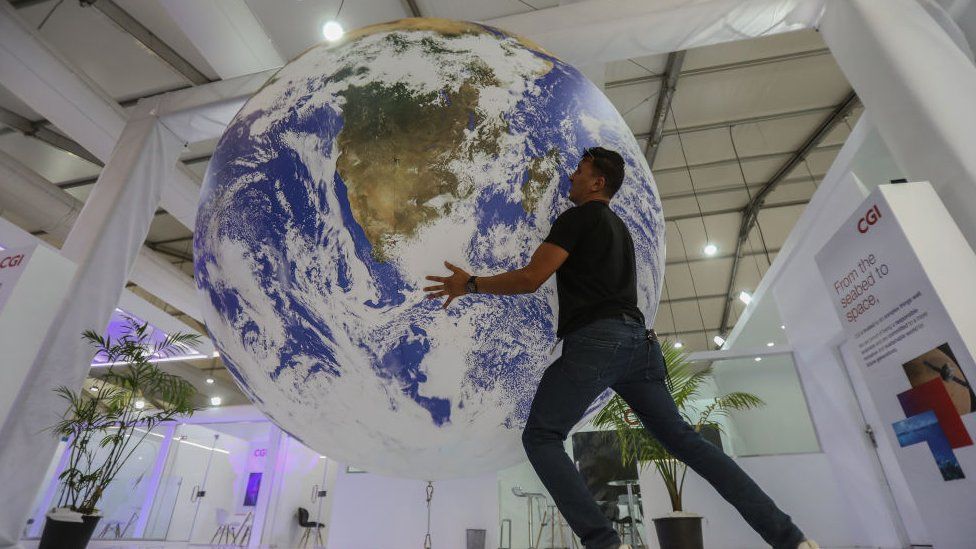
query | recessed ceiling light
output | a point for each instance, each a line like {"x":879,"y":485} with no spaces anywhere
{"x":782,"y":327}
{"x":93,"y":389}
{"x":332,"y":31}
{"x":758,"y":359}
{"x":215,"y":401}
{"x":210,"y":381}
{"x":139,"y":404}
{"x":770,"y":344}
{"x":710,"y":249}
{"x":678,"y":345}
{"x":719,"y":340}
{"x":745,"y":297}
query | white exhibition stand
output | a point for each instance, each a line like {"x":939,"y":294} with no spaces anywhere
{"x":33,"y":282}
{"x":900,"y":274}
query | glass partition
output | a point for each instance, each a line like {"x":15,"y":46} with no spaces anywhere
{"x":783,"y":424}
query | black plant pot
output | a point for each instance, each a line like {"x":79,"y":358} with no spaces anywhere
{"x":59,"y":534}
{"x":679,"y":532}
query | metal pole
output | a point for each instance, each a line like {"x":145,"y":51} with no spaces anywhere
{"x":630,"y":513}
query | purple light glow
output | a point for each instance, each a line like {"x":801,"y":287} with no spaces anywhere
{"x":116,"y":329}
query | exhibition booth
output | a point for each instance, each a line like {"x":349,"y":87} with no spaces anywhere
{"x":860,"y":339}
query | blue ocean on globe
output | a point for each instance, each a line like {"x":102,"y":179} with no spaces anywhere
{"x":355,"y":172}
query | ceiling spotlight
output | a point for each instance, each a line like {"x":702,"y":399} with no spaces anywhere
{"x":332,"y":31}
{"x":782,"y":327}
{"x":215,"y":401}
{"x":93,"y":389}
{"x":678,"y":345}
{"x":710,"y":249}
{"x":216,"y":354}
{"x":745,"y":297}
{"x":139,"y":404}
{"x":719,"y":340}
{"x":770,"y":344}
{"x":210,"y":381}
{"x":758,"y":359}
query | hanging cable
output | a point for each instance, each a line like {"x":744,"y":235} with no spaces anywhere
{"x":691,"y":178}
{"x":810,"y":174}
{"x":430,"y":496}
{"x":667,"y":295}
{"x":49,"y":14}
{"x":694,"y":287}
{"x":745,"y":182}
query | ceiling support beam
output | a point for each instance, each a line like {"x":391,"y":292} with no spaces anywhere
{"x":722,"y":124}
{"x":727,"y":211}
{"x":146,"y":37}
{"x":44,"y":134}
{"x":624,"y":29}
{"x":723,"y":67}
{"x":226,"y":33}
{"x":682,"y":168}
{"x":750,"y":214}
{"x":716,"y":257}
{"x":669,"y":84}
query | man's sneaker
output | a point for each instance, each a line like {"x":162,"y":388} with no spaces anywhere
{"x":808,"y":544}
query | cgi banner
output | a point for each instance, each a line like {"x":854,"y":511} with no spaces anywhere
{"x":901,"y":276}
{"x":12,"y":265}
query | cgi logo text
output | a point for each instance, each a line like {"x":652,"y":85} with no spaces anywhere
{"x":11,"y":261}
{"x":870,"y":218}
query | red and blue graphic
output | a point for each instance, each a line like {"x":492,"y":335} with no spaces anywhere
{"x":933,"y":419}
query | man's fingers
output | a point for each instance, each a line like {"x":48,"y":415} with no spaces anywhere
{"x":435,"y":295}
{"x":434,"y":288}
{"x":451,"y":267}
{"x":435,"y":278}
{"x":448,"y":302}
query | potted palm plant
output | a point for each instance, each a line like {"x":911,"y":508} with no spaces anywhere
{"x":106,"y":424}
{"x":679,"y":529}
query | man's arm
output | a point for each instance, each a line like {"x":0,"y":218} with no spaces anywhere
{"x":545,"y":261}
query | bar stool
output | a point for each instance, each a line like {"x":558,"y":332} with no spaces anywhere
{"x":309,"y":526}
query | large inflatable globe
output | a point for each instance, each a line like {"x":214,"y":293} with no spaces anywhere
{"x":354,"y":173}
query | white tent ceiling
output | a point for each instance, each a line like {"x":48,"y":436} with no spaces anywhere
{"x":740,"y":112}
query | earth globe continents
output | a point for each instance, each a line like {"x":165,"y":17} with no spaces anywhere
{"x":352,"y":174}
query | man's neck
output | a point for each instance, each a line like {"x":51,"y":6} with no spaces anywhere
{"x":601,"y":199}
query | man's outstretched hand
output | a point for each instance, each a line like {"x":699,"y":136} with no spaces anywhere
{"x":451,"y":286}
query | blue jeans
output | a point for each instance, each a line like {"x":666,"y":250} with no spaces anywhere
{"x":617,"y":353}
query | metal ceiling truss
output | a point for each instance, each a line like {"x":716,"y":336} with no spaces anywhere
{"x":750,"y":214}
{"x":148,"y":39}
{"x":669,"y":84}
{"x":41,"y":132}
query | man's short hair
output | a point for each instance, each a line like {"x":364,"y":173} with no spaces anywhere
{"x":608,"y":164}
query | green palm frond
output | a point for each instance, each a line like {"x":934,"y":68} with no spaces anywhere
{"x":106,"y":419}
{"x":686,"y":384}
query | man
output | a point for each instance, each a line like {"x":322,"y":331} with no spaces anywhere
{"x":605,"y":345}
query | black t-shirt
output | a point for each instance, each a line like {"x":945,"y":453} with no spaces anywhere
{"x":599,"y":278}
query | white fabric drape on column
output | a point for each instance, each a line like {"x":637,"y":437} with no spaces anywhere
{"x":104,"y":242}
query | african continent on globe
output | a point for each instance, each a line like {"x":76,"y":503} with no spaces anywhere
{"x":353,"y":173}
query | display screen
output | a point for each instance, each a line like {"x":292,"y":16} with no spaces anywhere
{"x":251,"y":494}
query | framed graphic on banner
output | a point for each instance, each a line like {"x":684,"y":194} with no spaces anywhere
{"x":901,"y":275}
